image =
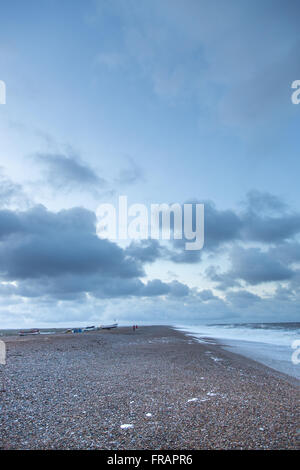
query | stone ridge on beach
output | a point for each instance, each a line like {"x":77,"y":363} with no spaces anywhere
{"x":154,"y":388}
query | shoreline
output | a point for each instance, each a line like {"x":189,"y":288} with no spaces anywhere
{"x":228,"y":345}
{"x":75,"y":392}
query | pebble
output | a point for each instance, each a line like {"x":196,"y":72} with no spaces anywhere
{"x":73,"y":391}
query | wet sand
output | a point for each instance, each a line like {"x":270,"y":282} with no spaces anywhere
{"x":76,"y":391}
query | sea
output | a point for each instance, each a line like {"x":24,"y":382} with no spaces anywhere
{"x":276,"y":345}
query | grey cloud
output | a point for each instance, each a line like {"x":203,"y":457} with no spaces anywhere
{"x":242,"y":298}
{"x":264,"y":203}
{"x":155,"y":287}
{"x":98,"y":285}
{"x":178,"y":289}
{"x":59,"y":255}
{"x":287,"y":252}
{"x":153,"y":310}
{"x":68,"y":172}
{"x":252,"y":266}
{"x":117,"y":287}
{"x":265,"y":218}
{"x":42,"y":243}
{"x":9,"y":223}
{"x":223,"y":280}
{"x":268,"y":219}
{"x":206,"y":295}
{"x":270,"y":229}
{"x":220,"y":227}
{"x":145,"y":251}
{"x":11,"y":193}
{"x":178,"y":253}
{"x":284,"y":294}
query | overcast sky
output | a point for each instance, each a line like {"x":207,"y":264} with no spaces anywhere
{"x":162,"y":101}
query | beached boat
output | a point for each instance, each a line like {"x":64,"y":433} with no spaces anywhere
{"x":90,"y":328}
{"x":34,"y":331}
{"x":108,"y":327}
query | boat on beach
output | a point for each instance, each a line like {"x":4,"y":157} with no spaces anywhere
{"x":34,"y":331}
{"x":108,"y":327}
{"x":90,"y":328}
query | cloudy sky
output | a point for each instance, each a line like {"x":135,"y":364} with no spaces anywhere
{"x":162,"y":101}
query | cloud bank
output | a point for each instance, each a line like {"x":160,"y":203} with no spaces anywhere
{"x":55,"y":258}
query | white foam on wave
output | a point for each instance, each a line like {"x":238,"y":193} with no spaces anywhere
{"x":270,"y":344}
{"x":262,"y":334}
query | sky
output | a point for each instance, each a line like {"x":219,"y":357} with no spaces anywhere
{"x":164,"y":101}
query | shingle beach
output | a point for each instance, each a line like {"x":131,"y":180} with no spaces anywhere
{"x":154,"y":388}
